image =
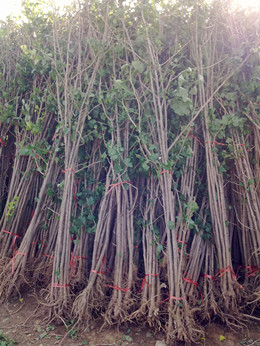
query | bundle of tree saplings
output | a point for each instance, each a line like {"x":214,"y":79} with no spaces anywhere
{"x":129,"y":163}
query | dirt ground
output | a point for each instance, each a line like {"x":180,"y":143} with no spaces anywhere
{"x":18,"y":323}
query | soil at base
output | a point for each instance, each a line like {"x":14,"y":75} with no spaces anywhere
{"x":19,"y":323}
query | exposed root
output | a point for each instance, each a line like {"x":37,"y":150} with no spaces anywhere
{"x":119,"y":309}
{"x":90,"y":303}
{"x":182,"y":327}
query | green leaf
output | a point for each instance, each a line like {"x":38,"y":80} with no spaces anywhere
{"x":50,"y":327}
{"x":38,"y":328}
{"x":192,"y":206}
{"x":180,"y":107}
{"x":91,"y":201}
{"x":91,"y":217}
{"x":221,"y":169}
{"x":124,"y":66}
{"x":179,"y":218}
{"x":43,"y":335}
{"x":171,"y":225}
{"x":183,"y":93}
{"x":113,"y":154}
{"x":138,"y":66}
{"x":153,"y":157}
{"x":128,"y":338}
{"x":145,"y":166}
{"x":119,"y":85}
{"x":181,"y":80}
{"x":232,"y":96}
{"x":66,"y":130}
{"x":128,"y":162}
{"x":159,"y":248}
{"x":25,"y":151}
{"x":104,"y":156}
{"x":250,"y":182}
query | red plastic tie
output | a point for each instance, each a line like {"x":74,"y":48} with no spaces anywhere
{"x":225,"y":270}
{"x":117,"y":184}
{"x":79,"y":257}
{"x":196,"y":139}
{"x":208,"y":276}
{"x":13,"y":259}
{"x":48,"y":256}
{"x":73,"y":263}
{"x":103,"y":271}
{"x":2,"y":143}
{"x":167,"y":171}
{"x":145,"y":282}
{"x":215,"y":142}
{"x":186,"y":277}
{"x":68,"y":170}
{"x":16,"y":236}
{"x":222,"y":271}
{"x":183,"y":242}
{"x":115,"y":287}
{"x":218,"y":143}
{"x":172,"y":297}
{"x":251,"y":270}
{"x":59,"y":285}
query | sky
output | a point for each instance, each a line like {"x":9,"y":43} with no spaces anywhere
{"x":8,"y":7}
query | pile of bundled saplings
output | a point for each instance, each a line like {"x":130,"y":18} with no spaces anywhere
{"x":129,"y":163}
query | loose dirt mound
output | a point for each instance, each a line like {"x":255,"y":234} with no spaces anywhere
{"x":19,"y":323}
